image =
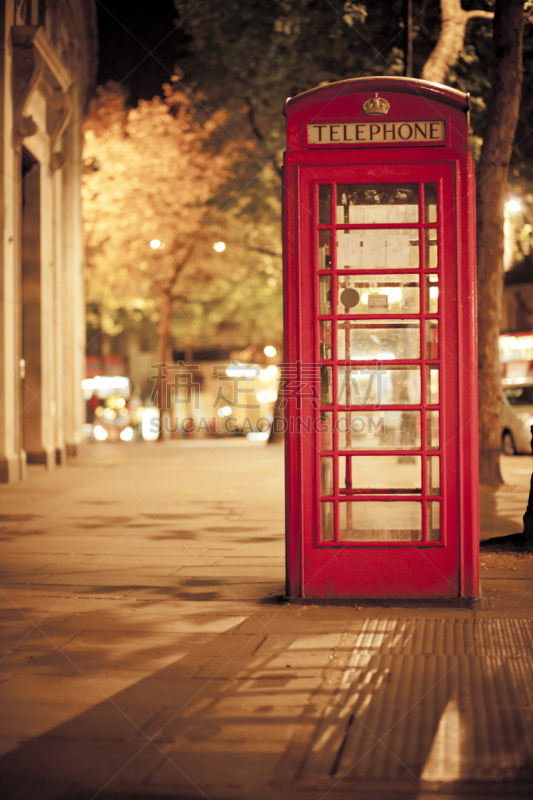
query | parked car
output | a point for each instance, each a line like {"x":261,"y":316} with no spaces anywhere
{"x":517,"y":416}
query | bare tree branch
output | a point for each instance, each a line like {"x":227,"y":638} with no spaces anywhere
{"x":180,"y":265}
{"x":259,"y":134}
{"x":266,"y":252}
{"x":454,"y":20}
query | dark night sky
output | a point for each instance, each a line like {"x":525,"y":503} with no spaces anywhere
{"x":120,"y":24}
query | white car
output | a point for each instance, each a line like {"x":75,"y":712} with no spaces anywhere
{"x":517,"y":416}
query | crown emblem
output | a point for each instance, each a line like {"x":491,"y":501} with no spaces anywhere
{"x":375,"y":106}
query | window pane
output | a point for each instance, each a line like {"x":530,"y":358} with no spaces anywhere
{"x":326,"y":349}
{"x":430,"y":202}
{"x":377,"y":249}
{"x":379,"y":294}
{"x":326,"y":394}
{"x":432,"y":338}
{"x":327,"y":522}
{"x":382,"y":340}
{"x":380,"y":521}
{"x":324,"y":205}
{"x":325,"y":294}
{"x":433,"y":430}
{"x":432,"y":385}
{"x":433,"y":475}
{"x":383,"y":474}
{"x":326,"y":472}
{"x":326,"y":430}
{"x":368,"y":386}
{"x":432,"y":294}
{"x":324,"y":249}
{"x":379,"y":430}
{"x":434,"y":521}
{"x":377,"y":203}
{"x":432,"y":259}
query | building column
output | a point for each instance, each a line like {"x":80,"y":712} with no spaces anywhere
{"x":73,"y":289}
{"x":12,"y":457}
{"x":33,"y":413}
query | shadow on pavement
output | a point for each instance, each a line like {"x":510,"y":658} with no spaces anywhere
{"x":396,"y":705}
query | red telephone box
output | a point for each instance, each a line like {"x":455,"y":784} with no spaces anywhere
{"x":380,"y":381}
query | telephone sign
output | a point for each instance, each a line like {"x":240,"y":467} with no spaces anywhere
{"x":367,"y":133}
{"x":380,"y":338}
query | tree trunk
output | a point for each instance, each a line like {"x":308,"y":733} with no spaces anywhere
{"x":491,"y":188}
{"x":408,"y":34}
{"x":451,"y":39}
{"x":528,"y":516}
{"x":165,"y":358}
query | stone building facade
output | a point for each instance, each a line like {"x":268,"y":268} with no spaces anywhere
{"x":48,"y":72}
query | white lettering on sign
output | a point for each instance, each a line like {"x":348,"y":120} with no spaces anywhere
{"x":354,"y":133}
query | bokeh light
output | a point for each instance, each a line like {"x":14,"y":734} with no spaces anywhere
{"x":513,"y":206}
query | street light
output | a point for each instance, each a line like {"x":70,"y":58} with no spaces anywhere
{"x":513,"y":206}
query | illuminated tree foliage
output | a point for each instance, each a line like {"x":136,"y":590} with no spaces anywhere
{"x":152,"y":174}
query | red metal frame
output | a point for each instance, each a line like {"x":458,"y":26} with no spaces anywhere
{"x":448,"y":567}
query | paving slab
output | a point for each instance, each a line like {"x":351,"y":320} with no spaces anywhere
{"x":147,"y":652}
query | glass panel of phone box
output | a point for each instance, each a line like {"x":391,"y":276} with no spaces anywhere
{"x":372,"y":319}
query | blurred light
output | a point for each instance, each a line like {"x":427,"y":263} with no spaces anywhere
{"x":263,"y":375}
{"x":268,"y":396}
{"x":257,"y":436}
{"x":106,"y":386}
{"x":155,"y":244}
{"x":386,"y":356}
{"x":270,"y":351}
{"x":219,"y":247}
{"x":513,"y":206}
{"x":394,"y":295}
{"x":109,"y":413}
{"x":121,"y":402}
{"x":272,"y":370}
{"x":98,"y":411}
{"x":126,"y":435}
{"x":243,"y":371}
{"x":235,"y":371}
{"x":105,"y":382}
{"x":225,"y":411}
{"x":150,"y":424}
{"x":100,"y":433}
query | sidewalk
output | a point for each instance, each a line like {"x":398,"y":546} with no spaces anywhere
{"x":146,"y":655}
